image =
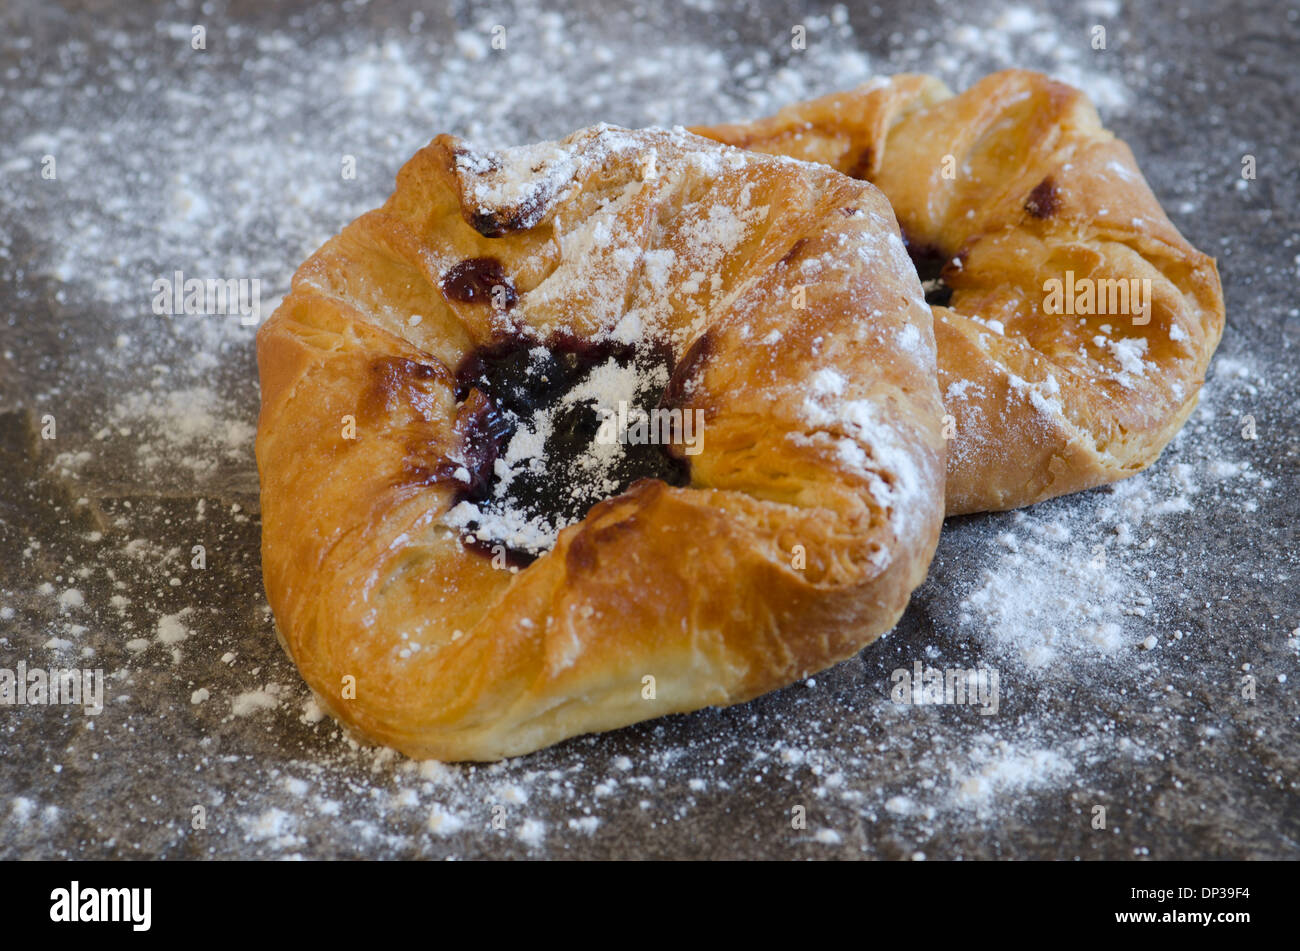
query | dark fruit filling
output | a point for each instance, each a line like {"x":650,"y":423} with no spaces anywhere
{"x":480,"y":280}
{"x":930,"y":262}
{"x":521,"y":386}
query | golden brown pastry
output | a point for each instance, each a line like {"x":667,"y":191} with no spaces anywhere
{"x":1074,"y":323}
{"x":464,"y":568}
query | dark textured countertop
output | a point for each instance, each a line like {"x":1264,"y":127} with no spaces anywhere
{"x":1146,"y":636}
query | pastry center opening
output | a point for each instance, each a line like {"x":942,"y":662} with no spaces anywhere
{"x":929,"y":262}
{"x":548,"y":430}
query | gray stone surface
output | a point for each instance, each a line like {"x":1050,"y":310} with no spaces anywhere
{"x":227,"y":163}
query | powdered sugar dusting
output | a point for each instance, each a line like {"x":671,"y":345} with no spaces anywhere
{"x":279,"y":778}
{"x":866,"y":441}
{"x":1075,"y":577}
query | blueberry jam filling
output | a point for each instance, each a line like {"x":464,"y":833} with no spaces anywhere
{"x":533,"y":455}
{"x":929,"y":262}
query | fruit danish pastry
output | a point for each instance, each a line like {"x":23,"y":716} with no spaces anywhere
{"x":1074,"y":323}
{"x":569,"y":436}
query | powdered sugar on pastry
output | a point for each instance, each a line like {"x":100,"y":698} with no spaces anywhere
{"x":590,"y":476}
{"x":1128,"y":354}
{"x":870,"y":445}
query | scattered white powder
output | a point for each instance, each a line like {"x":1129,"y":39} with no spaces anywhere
{"x":525,"y":176}
{"x":1067,"y":577}
{"x":1042,"y":395}
{"x":173,"y":402}
{"x":994,"y":325}
{"x":1000,"y":769}
{"x":296,"y":787}
{"x":1128,"y":354}
{"x":274,"y":826}
{"x":959,"y":390}
{"x":513,"y":794}
{"x":254,"y":701}
{"x":532,"y":832}
{"x":312,"y":712}
{"x":443,"y":822}
{"x":21,"y":809}
{"x":826,"y":382}
{"x":171,"y":630}
{"x":587,"y":825}
{"x":1036,"y":613}
{"x":870,"y":444}
{"x":191,"y":427}
{"x":1023,"y":35}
